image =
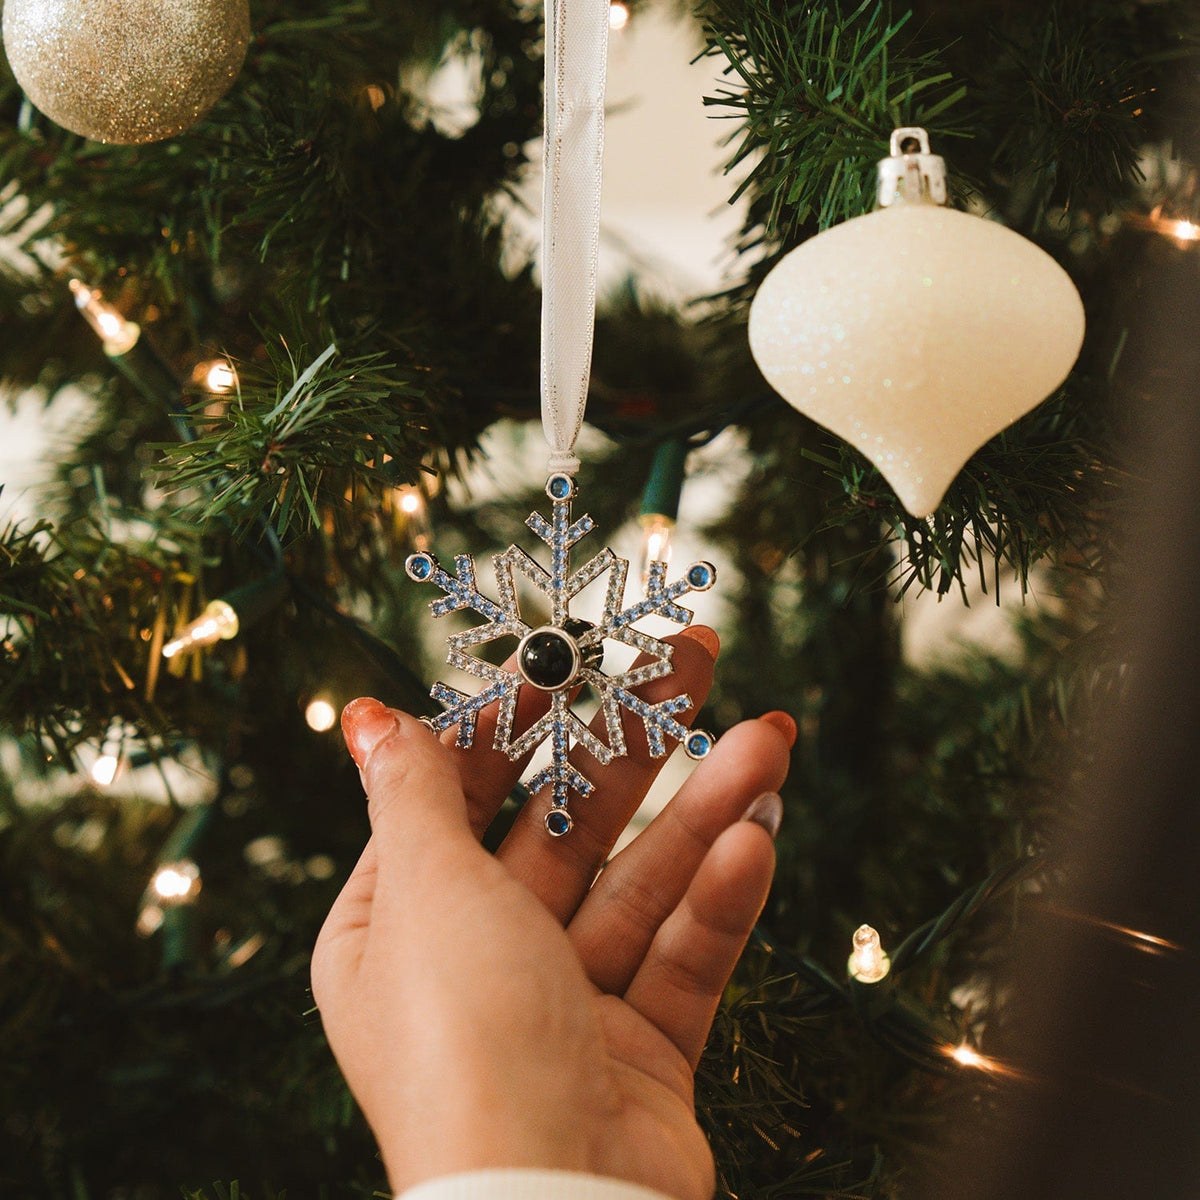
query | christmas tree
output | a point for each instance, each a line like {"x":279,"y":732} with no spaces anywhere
{"x":303,"y":323}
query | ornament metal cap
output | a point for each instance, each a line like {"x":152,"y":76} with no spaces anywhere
{"x":910,"y":174}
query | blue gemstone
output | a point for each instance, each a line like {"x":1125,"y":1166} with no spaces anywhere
{"x":698,"y":744}
{"x":700,"y":575}
{"x":558,"y":822}
{"x":419,"y":567}
{"x":560,"y":487}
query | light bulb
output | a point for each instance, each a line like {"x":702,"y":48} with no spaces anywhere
{"x":656,"y":540}
{"x":108,"y":761}
{"x":217,"y":622}
{"x":1185,"y":231}
{"x":868,"y":963}
{"x":176,"y":882}
{"x":375,"y":96}
{"x":104,"y":769}
{"x":220,"y":377}
{"x":618,"y":16}
{"x":966,"y":1055}
{"x":320,"y":715}
{"x":118,"y":335}
{"x":412,"y":517}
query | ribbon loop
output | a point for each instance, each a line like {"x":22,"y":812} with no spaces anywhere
{"x":576,"y":60}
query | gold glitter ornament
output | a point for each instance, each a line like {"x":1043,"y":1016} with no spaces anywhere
{"x":126,"y":71}
{"x":916,"y":332}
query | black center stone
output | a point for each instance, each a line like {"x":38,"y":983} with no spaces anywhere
{"x":548,"y":659}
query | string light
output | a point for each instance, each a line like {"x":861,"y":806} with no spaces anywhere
{"x":216,"y":375}
{"x":656,"y":540}
{"x":225,"y":617}
{"x":1185,"y":231}
{"x":1139,"y":938}
{"x":118,"y":335}
{"x":412,"y":516}
{"x":108,"y":761}
{"x":868,"y":963}
{"x":967,"y":1056}
{"x":218,"y":622}
{"x":132,"y":354}
{"x":660,"y":503}
{"x":176,"y":882}
{"x":375,"y":96}
{"x":320,"y":714}
{"x":618,"y":16}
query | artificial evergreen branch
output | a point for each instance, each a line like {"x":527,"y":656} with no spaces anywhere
{"x":817,"y":93}
{"x":78,"y":610}
{"x":282,"y":453}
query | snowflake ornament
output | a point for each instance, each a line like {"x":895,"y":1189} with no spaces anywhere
{"x":568,"y":652}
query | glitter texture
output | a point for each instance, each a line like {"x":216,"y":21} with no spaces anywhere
{"x":560,"y":585}
{"x":126,"y":71}
{"x":916,"y":333}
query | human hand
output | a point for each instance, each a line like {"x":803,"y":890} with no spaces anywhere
{"x":506,"y":1011}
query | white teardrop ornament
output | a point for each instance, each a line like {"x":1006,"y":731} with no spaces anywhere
{"x":917,"y":332}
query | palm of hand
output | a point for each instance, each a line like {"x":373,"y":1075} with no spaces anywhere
{"x":506,"y":1011}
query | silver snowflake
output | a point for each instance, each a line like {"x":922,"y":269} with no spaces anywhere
{"x":560,"y":657}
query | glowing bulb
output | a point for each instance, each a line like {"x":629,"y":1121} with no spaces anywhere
{"x":412,"y":521}
{"x":618,"y":16}
{"x":108,"y":761}
{"x":149,"y":920}
{"x":220,"y":376}
{"x":110,"y":324}
{"x":176,"y":882}
{"x":118,"y":335}
{"x":1185,"y":231}
{"x":376,"y":97}
{"x":656,"y":540}
{"x":868,"y":963}
{"x":104,"y":769}
{"x":217,"y":622}
{"x":320,"y":715}
{"x":967,"y":1056}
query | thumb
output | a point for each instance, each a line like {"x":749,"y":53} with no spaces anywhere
{"x":414,"y":794}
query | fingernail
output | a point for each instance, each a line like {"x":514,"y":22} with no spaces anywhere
{"x":766,"y":811}
{"x":365,"y":723}
{"x":781,"y":721}
{"x":706,"y":637}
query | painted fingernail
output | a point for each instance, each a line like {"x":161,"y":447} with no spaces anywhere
{"x":766,"y":811}
{"x":365,"y":723}
{"x":706,"y":637}
{"x":781,"y":721}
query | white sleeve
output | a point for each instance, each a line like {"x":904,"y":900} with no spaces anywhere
{"x":528,"y":1185}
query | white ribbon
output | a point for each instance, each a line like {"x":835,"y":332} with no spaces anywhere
{"x":576,"y":57}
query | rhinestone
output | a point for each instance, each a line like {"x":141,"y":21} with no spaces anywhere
{"x":698,"y":744}
{"x":560,"y":487}
{"x":558,"y":822}
{"x":419,"y":567}
{"x":701,"y":576}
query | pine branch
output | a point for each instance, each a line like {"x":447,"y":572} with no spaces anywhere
{"x":288,"y":447}
{"x":817,"y":92}
{"x":1066,"y":98}
{"x":77,"y":609}
{"x":1040,"y":490}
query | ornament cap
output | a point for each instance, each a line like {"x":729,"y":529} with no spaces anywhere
{"x":910,"y":174}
